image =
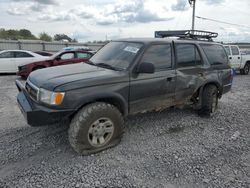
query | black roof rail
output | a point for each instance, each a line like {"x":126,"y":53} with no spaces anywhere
{"x":187,"y":34}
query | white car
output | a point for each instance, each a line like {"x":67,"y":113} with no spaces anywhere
{"x":11,"y":59}
{"x":238,"y":61}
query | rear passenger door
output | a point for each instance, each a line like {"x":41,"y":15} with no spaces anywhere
{"x":190,"y":71}
{"x":82,"y":56}
{"x":235,"y":58}
{"x":151,"y":91}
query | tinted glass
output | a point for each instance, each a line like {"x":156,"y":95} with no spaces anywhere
{"x":67,"y":56}
{"x":159,"y":55}
{"x":117,"y":54}
{"x":82,"y":55}
{"x":7,"y":55}
{"x":215,"y":53}
{"x":227,"y":50}
{"x":235,"y":50}
{"x":187,"y":55}
{"x":22,"y":54}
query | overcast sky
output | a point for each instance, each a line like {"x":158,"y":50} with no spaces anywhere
{"x":88,"y":20}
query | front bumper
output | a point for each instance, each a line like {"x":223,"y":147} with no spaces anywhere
{"x":36,"y":114}
{"x":23,"y":73}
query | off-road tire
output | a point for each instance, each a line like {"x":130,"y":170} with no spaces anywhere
{"x":209,"y":102}
{"x":83,"y":120}
{"x":245,"y":70}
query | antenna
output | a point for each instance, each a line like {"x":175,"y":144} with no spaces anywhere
{"x":192,"y":3}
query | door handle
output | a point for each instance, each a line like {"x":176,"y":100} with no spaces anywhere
{"x":230,"y":57}
{"x":169,"y":79}
{"x":238,"y":57}
{"x":201,"y":74}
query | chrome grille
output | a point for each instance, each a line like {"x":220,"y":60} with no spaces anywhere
{"x":32,"y":90}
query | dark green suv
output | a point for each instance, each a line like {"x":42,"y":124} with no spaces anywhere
{"x":125,"y":77}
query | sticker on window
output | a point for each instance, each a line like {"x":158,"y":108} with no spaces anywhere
{"x":131,"y":49}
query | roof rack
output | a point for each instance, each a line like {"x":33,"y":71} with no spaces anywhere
{"x":187,"y":34}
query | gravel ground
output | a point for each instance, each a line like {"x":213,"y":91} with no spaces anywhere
{"x":173,"y":148}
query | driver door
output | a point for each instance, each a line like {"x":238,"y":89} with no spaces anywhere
{"x":65,"y":58}
{"x":155,"y":90}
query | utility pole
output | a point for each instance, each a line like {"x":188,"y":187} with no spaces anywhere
{"x":192,"y":3}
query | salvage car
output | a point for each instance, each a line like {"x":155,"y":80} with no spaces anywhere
{"x":238,"y":61}
{"x":11,"y":59}
{"x":61,"y":58}
{"x":125,"y":77}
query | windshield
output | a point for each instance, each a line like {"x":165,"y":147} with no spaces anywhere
{"x":56,"y":54}
{"x":118,"y":55}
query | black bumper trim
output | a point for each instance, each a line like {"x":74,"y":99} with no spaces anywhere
{"x":38,"y":115}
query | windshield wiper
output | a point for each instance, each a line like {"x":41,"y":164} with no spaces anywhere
{"x":104,"y":65}
{"x":89,"y":62}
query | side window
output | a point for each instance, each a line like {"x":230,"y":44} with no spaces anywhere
{"x":22,"y":55}
{"x":215,"y":53}
{"x":82,"y":55}
{"x":7,"y":55}
{"x":159,"y":55}
{"x":227,"y":50}
{"x":235,"y":50}
{"x":67,"y":56}
{"x":187,"y":55}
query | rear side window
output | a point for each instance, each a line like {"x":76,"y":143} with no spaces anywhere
{"x":82,"y":55}
{"x":7,"y":55}
{"x":235,"y":50}
{"x":159,"y":55}
{"x":22,"y":55}
{"x":215,"y":53}
{"x":187,"y":55}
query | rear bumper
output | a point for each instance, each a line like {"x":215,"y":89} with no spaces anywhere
{"x":23,"y":73}
{"x":36,"y":114}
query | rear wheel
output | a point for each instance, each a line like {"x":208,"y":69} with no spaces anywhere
{"x":245,"y":70}
{"x":96,"y":127}
{"x":209,"y":100}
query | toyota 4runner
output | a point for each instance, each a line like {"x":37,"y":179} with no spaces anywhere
{"x":126,"y":77}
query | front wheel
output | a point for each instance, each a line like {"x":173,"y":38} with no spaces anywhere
{"x":245,"y":70}
{"x":96,"y":127}
{"x":209,"y":100}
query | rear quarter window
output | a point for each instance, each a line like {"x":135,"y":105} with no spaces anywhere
{"x":216,"y":54}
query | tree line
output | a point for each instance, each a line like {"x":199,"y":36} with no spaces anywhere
{"x":12,"y":34}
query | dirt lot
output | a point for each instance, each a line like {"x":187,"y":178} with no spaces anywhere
{"x":173,"y":148}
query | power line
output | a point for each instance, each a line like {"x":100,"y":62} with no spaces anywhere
{"x":218,"y":21}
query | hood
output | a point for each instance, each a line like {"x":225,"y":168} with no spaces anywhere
{"x":82,"y":74}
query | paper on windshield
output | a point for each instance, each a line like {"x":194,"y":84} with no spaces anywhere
{"x":131,"y":49}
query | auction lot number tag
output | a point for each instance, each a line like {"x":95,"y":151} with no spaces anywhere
{"x":131,"y":49}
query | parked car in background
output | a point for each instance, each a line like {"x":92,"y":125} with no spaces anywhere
{"x":245,"y":52}
{"x":77,"y":48}
{"x":238,"y":61}
{"x":11,"y":59}
{"x":60,"y":58}
{"x":43,"y":53}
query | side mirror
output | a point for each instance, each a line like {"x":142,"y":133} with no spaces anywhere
{"x":146,"y":68}
{"x":58,"y":58}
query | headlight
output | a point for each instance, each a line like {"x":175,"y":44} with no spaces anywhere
{"x":49,"y":97}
